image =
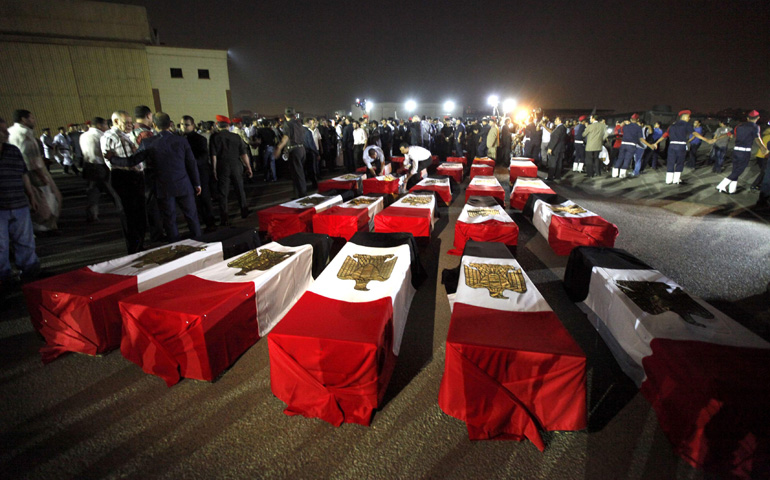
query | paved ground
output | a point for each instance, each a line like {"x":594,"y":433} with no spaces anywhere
{"x":102,"y":417}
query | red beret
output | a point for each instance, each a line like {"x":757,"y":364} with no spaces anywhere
{"x":581,"y":118}
{"x":88,"y":122}
{"x":684,"y":112}
{"x":222,"y":118}
{"x":753,"y":114}
{"x":236,"y":120}
{"x":635,"y":116}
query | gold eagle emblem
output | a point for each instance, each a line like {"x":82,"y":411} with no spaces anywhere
{"x":362,"y":201}
{"x":495,"y":278}
{"x":366,"y":268}
{"x":655,"y":298}
{"x":262,"y":260}
{"x":388,"y":178}
{"x":529,"y":182}
{"x":349,"y":176}
{"x":482,"y":212}
{"x":417,"y":200}
{"x":485,"y":181}
{"x":165,"y":255}
{"x":432,"y":182}
{"x":573,"y":209}
{"x":307,"y":201}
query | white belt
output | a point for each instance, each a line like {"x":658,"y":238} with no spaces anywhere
{"x":743,"y":149}
{"x":628,"y":143}
{"x":579,"y":141}
{"x":678,"y":143}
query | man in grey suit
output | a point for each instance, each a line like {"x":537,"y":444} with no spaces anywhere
{"x":177,"y":179}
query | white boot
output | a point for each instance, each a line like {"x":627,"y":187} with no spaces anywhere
{"x":669,"y":177}
{"x":722,"y":187}
{"x":677,"y":177}
{"x":623,"y":172}
{"x":574,"y":167}
{"x":614,"y":173}
{"x":580,"y":167}
{"x":733,"y":187}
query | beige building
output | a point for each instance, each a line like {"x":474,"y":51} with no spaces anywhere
{"x":70,"y":60}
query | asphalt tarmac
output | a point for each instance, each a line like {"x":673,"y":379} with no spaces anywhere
{"x":103,"y":417}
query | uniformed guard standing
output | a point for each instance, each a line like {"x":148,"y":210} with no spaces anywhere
{"x":633,"y":138}
{"x":293,"y":139}
{"x":580,"y":146}
{"x":746,"y":134}
{"x":678,"y":134}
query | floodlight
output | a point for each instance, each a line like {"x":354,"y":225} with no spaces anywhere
{"x":508,"y":105}
{"x":449,"y":106}
{"x":410,"y":105}
{"x":493,"y":100}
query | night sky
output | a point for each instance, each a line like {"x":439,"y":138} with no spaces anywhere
{"x":318,"y":56}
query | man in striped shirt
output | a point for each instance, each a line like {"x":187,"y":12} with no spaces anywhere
{"x":16,"y":199}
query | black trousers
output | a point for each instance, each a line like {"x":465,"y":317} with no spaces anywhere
{"x":154,"y":219}
{"x":129,"y":185}
{"x":555,"y":161}
{"x":592,"y":163}
{"x":347,"y":159}
{"x":203,"y":201}
{"x":297,"y":171}
{"x":311,"y":167}
{"x":98,"y":177}
{"x":225,"y":175}
{"x":187,"y":206}
{"x":386,"y":149}
{"x":358,"y":156}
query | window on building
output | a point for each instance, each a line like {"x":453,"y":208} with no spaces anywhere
{"x":203,"y":73}
{"x":176,"y":73}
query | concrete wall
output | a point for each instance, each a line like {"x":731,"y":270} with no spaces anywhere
{"x":202,"y":99}
{"x":75,"y":19}
{"x":64,"y":84}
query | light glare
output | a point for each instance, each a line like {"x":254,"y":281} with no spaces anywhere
{"x":493,"y":100}
{"x":410,"y":105}
{"x":449,"y":106}
{"x":508,"y":105}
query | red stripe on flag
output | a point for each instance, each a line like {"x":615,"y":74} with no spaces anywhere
{"x":566,"y":233}
{"x":190,"y":327}
{"x":489,"y":231}
{"x":416,"y":221}
{"x":341,"y":222}
{"x":331,"y":359}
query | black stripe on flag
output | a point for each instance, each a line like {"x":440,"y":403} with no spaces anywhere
{"x":577,"y":275}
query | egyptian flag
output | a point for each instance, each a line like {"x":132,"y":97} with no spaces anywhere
{"x":295,"y":216}
{"x":78,"y":311}
{"x":703,"y":372}
{"x":567,"y":225}
{"x":511,"y":367}
{"x":485,"y":185}
{"x":524,"y":187}
{"x":483,"y":220}
{"x":484,"y":161}
{"x":332,"y":355}
{"x":522,"y":168}
{"x":439,"y":185}
{"x":413,"y":213}
{"x":349,"y":181}
{"x":198,"y":325}
{"x":346,"y":220}
{"x":392,"y":184}
{"x":451,"y":169}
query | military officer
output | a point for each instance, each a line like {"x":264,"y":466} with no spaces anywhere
{"x":678,"y":134}
{"x":746,"y":134}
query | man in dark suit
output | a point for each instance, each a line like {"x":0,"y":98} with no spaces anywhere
{"x":229,"y":160}
{"x":556,"y":150}
{"x":200,"y":148}
{"x":347,"y":146}
{"x":176,"y":177}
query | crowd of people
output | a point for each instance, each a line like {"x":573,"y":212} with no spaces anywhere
{"x":149,"y":166}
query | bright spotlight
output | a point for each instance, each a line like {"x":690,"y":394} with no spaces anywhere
{"x":493,"y":100}
{"x":449,"y":106}
{"x":368,"y":106}
{"x":522,"y":114}
{"x":410,"y":105}
{"x":508,"y":105}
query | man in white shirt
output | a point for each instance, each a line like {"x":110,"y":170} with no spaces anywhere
{"x":127,"y":178}
{"x":47,"y":195}
{"x":374,"y":159}
{"x":413,"y":156}
{"x":359,"y":141}
{"x":63,"y":151}
{"x":95,"y":170}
